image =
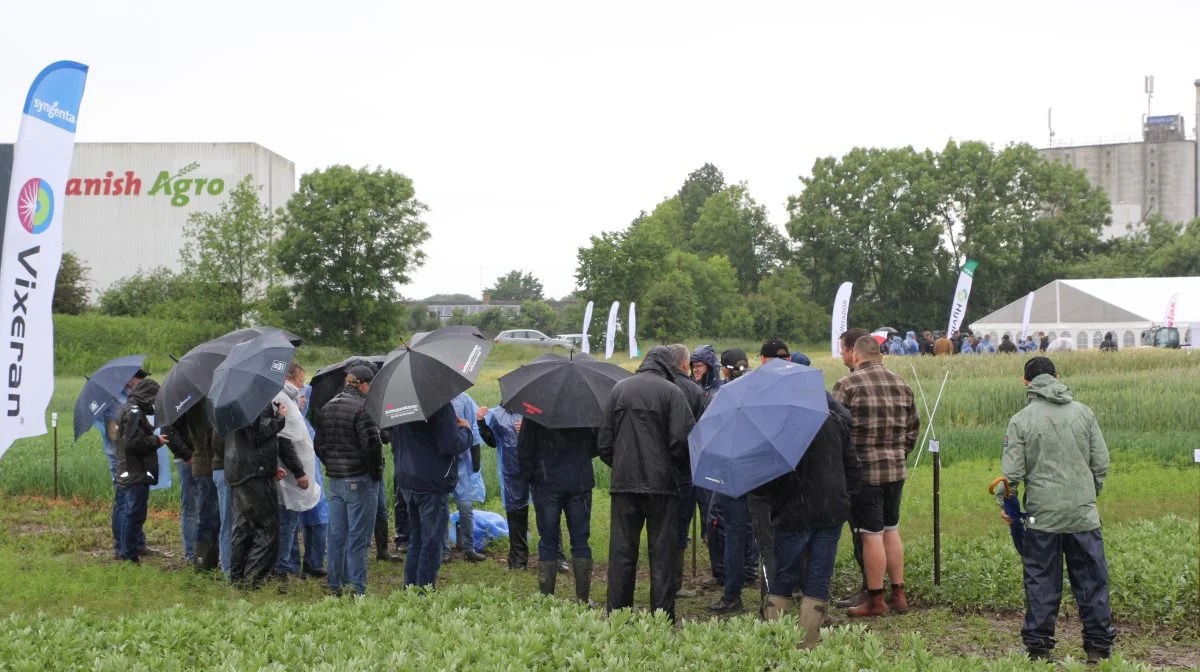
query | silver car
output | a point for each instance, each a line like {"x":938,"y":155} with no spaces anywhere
{"x":530,"y":337}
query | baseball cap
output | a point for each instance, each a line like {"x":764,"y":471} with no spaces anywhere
{"x":774,"y":348}
{"x":731,"y":357}
{"x":362,"y":373}
{"x":801,"y":358}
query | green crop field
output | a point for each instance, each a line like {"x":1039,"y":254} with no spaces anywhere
{"x":68,"y":605}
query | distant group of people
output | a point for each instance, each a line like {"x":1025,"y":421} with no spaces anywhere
{"x":784,"y":533}
{"x":966,"y":343}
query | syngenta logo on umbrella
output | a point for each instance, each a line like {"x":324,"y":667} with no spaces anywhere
{"x":393,"y":412}
{"x":181,"y":186}
{"x":472,"y":359}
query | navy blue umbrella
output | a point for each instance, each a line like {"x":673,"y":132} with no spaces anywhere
{"x":1012,"y":507}
{"x":248,"y":380}
{"x":103,"y":389}
{"x":758,"y":427}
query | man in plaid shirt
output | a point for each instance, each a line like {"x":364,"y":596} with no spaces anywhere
{"x":884,"y":433}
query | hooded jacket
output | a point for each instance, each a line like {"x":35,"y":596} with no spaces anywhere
{"x":711,"y":381}
{"x":557,"y":460}
{"x":426,"y":452}
{"x":644,"y":437}
{"x":1054,"y":446}
{"x":1007,"y":346}
{"x":817,"y":493}
{"x":255,"y":451}
{"x":348,"y":440}
{"x":137,"y":446}
{"x":499,"y":430}
{"x":910,"y":344}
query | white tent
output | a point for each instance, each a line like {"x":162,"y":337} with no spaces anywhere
{"x":1083,"y":310}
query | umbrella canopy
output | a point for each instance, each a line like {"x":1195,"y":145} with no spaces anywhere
{"x":417,"y":380}
{"x":560,"y":392}
{"x":102,"y":389}
{"x":189,"y":381}
{"x":1012,"y":507}
{"x":758,"y":427}
{"x":887,"y":331}
{"x":329,"y":381}
{"x":248,"y":380}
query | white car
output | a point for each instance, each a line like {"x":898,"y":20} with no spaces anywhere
{"x":530,"y":337}
{"x":576,"y":340}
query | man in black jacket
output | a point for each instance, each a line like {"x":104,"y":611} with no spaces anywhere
{"x":137,"y":464}
{"x":558,"y":462}
{"x":644,"y":439}
{"x":697,"y":402}
{"x":252,"y":458}
{"x":426,"y":456}
{"x":808,"y":507}
{"x":349,"y":446}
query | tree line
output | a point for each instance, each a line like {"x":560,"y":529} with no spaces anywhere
{"x":705,"y":261}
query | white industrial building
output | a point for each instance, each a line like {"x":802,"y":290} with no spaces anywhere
{"x":127,"y":203}
{"x":1083,"y":310}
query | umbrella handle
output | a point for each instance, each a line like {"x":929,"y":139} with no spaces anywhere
{"x":998,"y":481}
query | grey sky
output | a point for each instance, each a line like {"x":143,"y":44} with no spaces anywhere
{"x":526,"y":127}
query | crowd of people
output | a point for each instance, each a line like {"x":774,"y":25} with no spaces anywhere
{"x":246,"y":510}
{"x":967,"y":343}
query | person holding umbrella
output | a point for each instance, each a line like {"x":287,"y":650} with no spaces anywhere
{"x":349,"y":445}
{"x":644,"y":439}
{"x":426,"y":454}
{"x":884,"y":433}
{"x":1054,"y":446}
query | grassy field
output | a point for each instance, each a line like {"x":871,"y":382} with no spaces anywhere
{"x":68,"y":602}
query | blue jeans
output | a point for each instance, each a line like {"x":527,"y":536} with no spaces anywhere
{"x":225,"y":506}
{"x":466,"y":525}
{"x":116,"y":523}
{"x":289,"y":525}
{"x":428,"y":515}
{"x":352,"y":505}
{"x":790,"y":548}
{"x":741,"y":557}
{"x":134,"y":500}
{"x":189,"y":518}
{"x":315,"y":541}
{"x":549,"y":507}
{"x":208,"y":509}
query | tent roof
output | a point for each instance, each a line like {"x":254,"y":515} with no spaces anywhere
{"x":1105,"y":300}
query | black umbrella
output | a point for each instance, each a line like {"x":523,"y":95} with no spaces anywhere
{"x":560,"y":392}
{"x":103,"y":389}
{"x":417,"y":380}
{"x":329,"y":381}
{"x":246,"y":382}
{"x":189,"y":380}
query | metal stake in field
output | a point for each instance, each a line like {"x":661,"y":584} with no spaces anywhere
{"x":935,"y":448}
{"x":695,"y":538}
{"x":54,"y":424}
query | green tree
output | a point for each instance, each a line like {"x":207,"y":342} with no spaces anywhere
{"x":700,"y":185}
{"x":669,"y":309}
{"x":351,"y":239}
{"x":541,"y":316}
{"x":420,"y":318}
{"x":516,"y":286}
{"x":716,"y":287}
{"x":451,"y":299}
{"x":620,"y":266}
{"x":145,"y":293}
{"x":732,"y":224}
{"x":71,"y":286}
{"x":229,"y":256}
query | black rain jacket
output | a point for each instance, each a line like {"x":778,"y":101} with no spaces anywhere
{"x":257,"y":450}
{"x":348,"y":441}
{"x":557,"y":460}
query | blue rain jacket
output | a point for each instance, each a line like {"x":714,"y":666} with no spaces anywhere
{"x":514,"y":491}
{"x":470,"y":482}
{"x":911,"y":347}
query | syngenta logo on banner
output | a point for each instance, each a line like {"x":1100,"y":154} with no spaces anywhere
{"x":177,"y":187}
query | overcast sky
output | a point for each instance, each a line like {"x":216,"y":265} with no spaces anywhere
{"x":526,"y":127}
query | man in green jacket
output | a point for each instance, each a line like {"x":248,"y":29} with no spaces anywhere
{"x":1054,"y":446}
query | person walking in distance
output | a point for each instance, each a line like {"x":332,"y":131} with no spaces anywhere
{"x":644,"y":439}
{"x":884,"y":433}
{"x":1054,"y":446}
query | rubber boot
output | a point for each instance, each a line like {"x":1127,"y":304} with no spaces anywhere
{"x":201,"y":551}
{"x":381,"y":540}
{"x":583,"y":579}
{"x":776,"y":607}
{"x":874,"y":606}
{"x":547,"y":573}
{"x":680,"y":591}
{"x":812,"y":617}
{"x":207,"y":556}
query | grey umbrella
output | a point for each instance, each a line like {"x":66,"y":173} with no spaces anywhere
{"x":249,"y":378}
{"x":417,"y":380}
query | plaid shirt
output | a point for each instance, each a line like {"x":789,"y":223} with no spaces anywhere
{"x":885,"y":420}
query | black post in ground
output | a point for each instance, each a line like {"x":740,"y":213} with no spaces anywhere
{"x":54,"y":424}
{"x":935,"y":449}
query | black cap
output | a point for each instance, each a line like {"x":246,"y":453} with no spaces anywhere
{"x":1039,"y":366}
{"x":775,"y":348}
{"x":731,"y":357}
{"x":362,"y":372}
{"x":141,"y":373}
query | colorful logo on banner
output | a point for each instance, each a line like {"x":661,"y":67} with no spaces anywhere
{"x":35,"y":206}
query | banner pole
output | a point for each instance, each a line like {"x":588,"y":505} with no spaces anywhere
{"x":54,"y":423}
{"x":935,"y":448}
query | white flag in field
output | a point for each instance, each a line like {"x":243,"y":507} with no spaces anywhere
{"x":587,"y":322}
{"x":610,"y":337}
{"x":1025,"y":319}
{"x":633,"y":346}
{"x":31,"y":246}
{"x":958,"y":309}
{"x":841,"y":316}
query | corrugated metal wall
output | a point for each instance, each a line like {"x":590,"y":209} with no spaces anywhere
{"x":117,"y":228}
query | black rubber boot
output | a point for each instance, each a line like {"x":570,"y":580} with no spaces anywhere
{"x":583,"y":579}
{"x":547,"y":573}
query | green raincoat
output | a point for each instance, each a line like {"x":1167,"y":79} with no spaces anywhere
{"x":1054,"y":446}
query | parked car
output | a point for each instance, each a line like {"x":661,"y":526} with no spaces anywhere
{"x":576,"y":340}
{"x":530,"y":337}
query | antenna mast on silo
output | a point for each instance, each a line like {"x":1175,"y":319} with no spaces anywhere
{"x":1149,"y":92}
{"x":1050,"y":123}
